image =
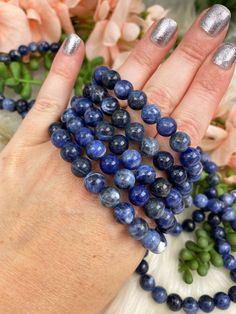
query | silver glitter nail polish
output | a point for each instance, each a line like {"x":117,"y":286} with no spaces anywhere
{"x":215,"y":19}
{"x":163,"y":32}
{"x":225,"y":56}
{"x":71,"y":44}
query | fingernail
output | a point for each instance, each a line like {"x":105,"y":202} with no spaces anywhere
{"x":215,"y":19}
{"x":163,"y":32}
{"x":225,"y":56}
{"x":71,"y":44}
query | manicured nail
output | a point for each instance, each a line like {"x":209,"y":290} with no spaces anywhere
{"x":215,"y":19}
{"x":225,"y":56}
{"x":163,"y":32}
{"x":71,"y":44}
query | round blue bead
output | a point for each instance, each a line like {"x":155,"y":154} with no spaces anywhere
{"x":160,"y":187}
{"x":151,"y":240}
{"x":214,"y":219}
{"x":139,"y":195}
{"x":96,"y":93}
{"x":178,"y":209}
{"x":190,"y":157}
{"x":124,"y":179}
{"x":95,"y":149}
{"x":227,"y":198}
{"x":218,"y":233}
{"x":142,"y":267}
{"x":131,"y":159}
{"x":205,"y":157}
{"x":188,"y":201}
{"x":124,"y":213}
{"x":134,"y":131}
{"x":200,"y":200}
{"x":93,"y":116}
{"x":222,"y":300}
{"x":75,"y":124}
{"x":68,"y":114}
{"x":5,"y":58}
{"x":162,"y":245}
{"x":110,"y":197}
{"x":198,"y":216}
{"x":33,"y":47}
{"x":179,"y":141}
{"x":166,"y":219}
{"x":210,"y":167}
{"x":54,"y":47}
{"x":163,"y":160}
{"x":84,"y":136}
{"x":104,"y":131}
{"x":228,"y":214}
{"x":233,"y":275}
{"x":122,"y":89}
{"x":70,"y":151}
{"x":110,"y":78}
{"x":8,"y":104}
{"x":120,"y":118}
{"x":232,"y":293}
{"x":173,"y":199}
{"x":80,"y":104}
{"x":147,"y":282}
{"x":81,"y":166}
{"x":151,"y":114}
{"x":43,"y":46}
{"x":159,"y":295}
{"x":223,"y":247}
{"x":154,"y":208}
{"x":177,"y":230}
{"x":138,"y":228}
{"x":233,"y":193}
{"x":137,"y":99}
{"x":195,"y":170}
{"x":54,"y":126}
{"x":190,"y":305}
{"x":97,"y":75}
{"x":229,"y":262}
{"x":14,"y":55}
{"x":94,"y":182}
{"x":211,"y":192}
{"x":174,"y":302}
{"x":166,"y":126}
{"x":215,"y":205}
{"x":145,"y":174}
{"x":149,"y":146}
{"x":193,"y":178}
{"x":118,"y":144}
{"x":60,"y":138}
{"x":188,"y":225}
{"x":109,"y":164}
{"x":22,"y":106}
{"x":213,"y":180}
{"x":23,"y":50}
{"x":185,"y":188}
{"x":206,"y":303}
{"x":109,"y":105}
{"x":177,"y":174}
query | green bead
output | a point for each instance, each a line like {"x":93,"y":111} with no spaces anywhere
{"x":190,"y":245}
{"x":204,"y":257}
{"x":187,"y":277}
{"x":186,"y":255}
{"x":206,"y":226}
{"x":202,"y":242}
{"x":202,"y":269}
{"x":231,"y":238}
{"x":193,"y":264}
{"x":216,"y":259}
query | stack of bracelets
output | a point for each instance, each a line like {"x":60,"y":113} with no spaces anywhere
{"x":84,"y":129}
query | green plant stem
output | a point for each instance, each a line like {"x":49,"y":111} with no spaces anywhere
{"x":35,"y":82}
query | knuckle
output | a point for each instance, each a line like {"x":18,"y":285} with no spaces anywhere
{"x":208,"y":85}
{"x":46,"y":104}
{"x":141,"y":57}
{"x":191,"y":126}
{"x":192,"y":51}
{"x":162,"y":97}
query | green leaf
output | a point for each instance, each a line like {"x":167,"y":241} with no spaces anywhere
{"x":47,"y":61}
{"x":2,"y":85}
{"x":97,"y":61}
{"x":26,"y":91}
{"x":15,"y":68}
{"x":11,"y":82}
{"x":4,"y":73}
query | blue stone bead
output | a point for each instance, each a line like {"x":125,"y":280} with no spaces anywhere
{"x":93,"y":116}
{"x":179,"y":141}
{"x":124,"y":179}
{"x":228,"y":214}
{"x":211,"y":192}
{"x":1,"y":97}
{"x":145,"y":174}
{"x":14,"y":55}
{"x":149,"y":146}
{"x":162,"y":245}
{"x":166,"y":219}
{"x":87,"y":90}
{"x":227,"y":198}
{"x":163,"y":160}
{"x":173,"y":199}
{"x":222,"y":300}
{"x":177,"y":230}
{"x":177,"y":174}
{"x":109,"y":105}
{"x":147,"y":282}
{"x":43,"y":46}
{"x":23,"y":50}
{"x":218,"y":233}
{"x":134,"y":131}
{"x":213,"y":180}
{"x":54,"y":47}
{"x":139,"y":195}
{"x":60,"y":138}
{"x":210,"y":167}
{"x":81,"y":166}
{"x":232,"y":294}
{"x":131,"y":159}
{"x":178,"y":209}
{"x":80,"y":104}
{"x":154,"y":208}
{"x":110,"y":78}
{"x":8,"y":104}
{"x":188,"y":201}
{"x":110,"y":197}
{"x":94,"y":182}
{"x":33,"y":47}
{"x":54,"y":126}
{"x":159,"y":295}
{"x":120,"y":118}
{"x":214,"y":219}
{"x":95,"y":149}
{"x":185,"y":188}
{"x":109,"y":164}
{"x":215,"y":205}
{"x":138,"y":228}
{"x":84,"y":136}
{"x":104,"y":131}
{"x":233,"y":193}
{"x":198,"y":216}
{"x":206,"y":303}
{"x":174,"y":302}
{"x":151,"y":240}
{"x":97,"y":93}
{"x":22,"y":106}
{"x":70,"y":152}
{"x":205,"y":157}
{"x":233,"y":275}
{"x":142,"y":268}
{"x":200,"y":200}
{"x":151,"y":114}
{"x":75,"y":124}
{"x":124,"y":213}
{"x":118,"y":144}
{"x":160,"y":187}
{"x":188,"y":225}
{"x":97,"y":75}
{"x":68,"y":114}
{"x":122,"y":89}
{"x":137,"y":99}
{"x":190,"y":157}
{"x":166,"y":126}
{"x":190,"y":305}
{"x":229,"y":262}
{"x":195,"y":170}
{"x":223,"y":247}
{"x":5,"y":58}
{"x":193,"y":178}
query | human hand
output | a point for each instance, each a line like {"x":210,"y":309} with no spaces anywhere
{"x":62,"y":252}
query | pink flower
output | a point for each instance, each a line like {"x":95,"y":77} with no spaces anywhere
{"x":14,"y":28}
{"x":155,"y":13}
